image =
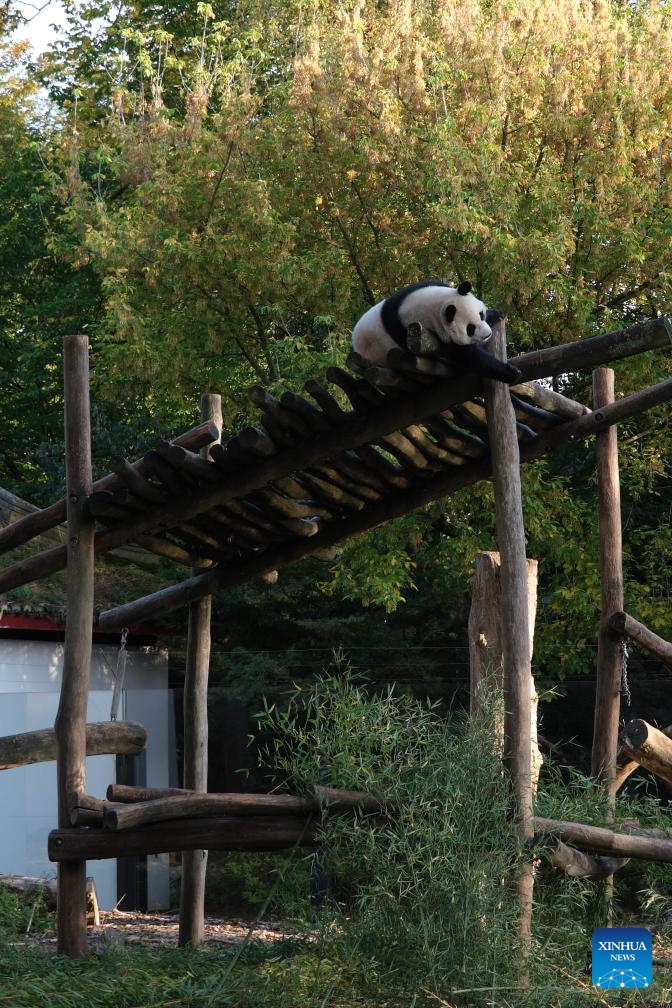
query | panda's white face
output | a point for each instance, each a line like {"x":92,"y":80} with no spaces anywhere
{"x":455,"y":317}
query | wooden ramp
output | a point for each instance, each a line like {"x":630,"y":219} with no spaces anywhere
{"x":360,"y":450}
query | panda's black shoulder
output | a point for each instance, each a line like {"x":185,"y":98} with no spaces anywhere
{"x":389,"y":312}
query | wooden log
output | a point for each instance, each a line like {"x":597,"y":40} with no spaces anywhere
{"x":170,"y":550}
{"x":589,"y":353}
{"x":317,"y":798}
{"x":417,"y":494}
{"x":256,"y":441}
{"x":324,"y":484}
{"x":132,"y":793}
{"x":649,"y":747}
{"x":34,"y":524}
{"x":547,"y":399}
{"x":326,"y":401}
{"x":313,"y":418}
{"x":623,"y":625}
{"x":404,"y":451}
{"x":88,"y":811}
{"x":431,"y":450}
{"x":195,"y":733}
{"x":609,"y":651}
{"x":515,"y":624}
{"x":289,"y":507}
{"x":389,"y":381}
{"x":190,"y":464}
{"x":198,"y":806}
{"x":285,"y":418}
{"x":606,"y":841}
{"x":455,"y":440}
{"x":70,"y":725}
{"x":418,"y":368}
{"x":170,"y":480}
{"x":229,"y":833}
{"x":139,"y":486}
{"x":535,"y":417}
{"x":362,"y":396}
{"x":123,"y":737}
{"x":340,"y":800}
{"x":577,"y":864}
{"x":352,"y":435}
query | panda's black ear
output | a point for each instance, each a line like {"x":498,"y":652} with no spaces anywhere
{"x":464,"y":288}
{"x":449,"y":313}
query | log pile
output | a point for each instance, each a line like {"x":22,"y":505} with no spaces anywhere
{"x":365,"y":446}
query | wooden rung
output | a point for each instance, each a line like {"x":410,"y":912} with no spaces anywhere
{"x":228,"y":833}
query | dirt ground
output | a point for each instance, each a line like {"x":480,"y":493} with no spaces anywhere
{"x":128,"y":928}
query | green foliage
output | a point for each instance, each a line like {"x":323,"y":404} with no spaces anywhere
{"x":422,"y":900}
{"x":20,"y":915}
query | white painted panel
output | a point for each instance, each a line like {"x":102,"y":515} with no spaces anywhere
{"x":30,"y":677}
{"x":28,"y":798}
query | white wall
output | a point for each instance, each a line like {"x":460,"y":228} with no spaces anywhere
{"x":30,"y":679}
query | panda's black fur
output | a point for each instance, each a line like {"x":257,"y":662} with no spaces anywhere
{"x":383,"y":324}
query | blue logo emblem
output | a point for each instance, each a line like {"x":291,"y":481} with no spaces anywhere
{"x":622,"y":957}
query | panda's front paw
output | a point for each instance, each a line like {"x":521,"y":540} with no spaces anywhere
{"x":493,"y":315}
{"x":515,"y":375}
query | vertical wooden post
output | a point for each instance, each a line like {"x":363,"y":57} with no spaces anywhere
{"x":70,"y":726}
{"x":609,"y":652}
{"x":485,"y":646}
{"x":195,"y":764}
{"x":515,"y":632}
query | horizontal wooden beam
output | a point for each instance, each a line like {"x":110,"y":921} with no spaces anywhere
{"x":271,"y":833}
{"x":190,"y":805}
{"x":605,"y":841}
{"x":597,"y":351}
{"x":229,"y":833}
{"x":124,"y":737}
{"x":393,"y":506}
{"x":623,"y":625}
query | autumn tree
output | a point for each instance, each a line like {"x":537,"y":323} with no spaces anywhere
{"x":252,"y":177}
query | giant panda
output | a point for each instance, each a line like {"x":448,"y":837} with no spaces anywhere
{"x":456,"y":320}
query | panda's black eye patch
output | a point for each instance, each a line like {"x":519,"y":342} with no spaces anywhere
{"x":471,"y":329}
{"x":449,"y":312}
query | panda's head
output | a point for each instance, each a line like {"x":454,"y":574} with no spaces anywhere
{"x":463,"y":317}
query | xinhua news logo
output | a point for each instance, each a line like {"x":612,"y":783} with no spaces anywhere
{"x":622,"y":957}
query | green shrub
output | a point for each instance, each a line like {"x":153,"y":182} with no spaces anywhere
{"x":21,"y":914}
{"x":428,"y":908}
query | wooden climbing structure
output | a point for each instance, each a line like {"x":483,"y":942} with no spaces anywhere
{"x":363,"y":447}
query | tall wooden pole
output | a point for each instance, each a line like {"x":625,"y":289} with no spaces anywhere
{"x":70,"y":726}
{"x":609,"y":649}
{"x":195,"y":766}
{"x":515,"y":633}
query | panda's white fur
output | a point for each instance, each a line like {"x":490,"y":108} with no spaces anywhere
{"x":453,"y":314}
